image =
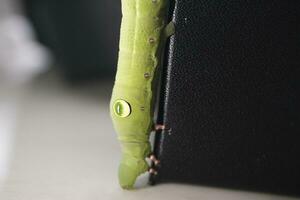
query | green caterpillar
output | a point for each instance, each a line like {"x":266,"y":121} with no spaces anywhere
{"x":143,"y":36}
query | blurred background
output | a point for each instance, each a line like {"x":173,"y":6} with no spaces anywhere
{"x":57,"y":65}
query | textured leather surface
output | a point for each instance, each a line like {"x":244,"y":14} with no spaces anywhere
{"x":231,"y":97}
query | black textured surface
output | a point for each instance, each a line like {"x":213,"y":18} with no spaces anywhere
{"x":232,"y":96}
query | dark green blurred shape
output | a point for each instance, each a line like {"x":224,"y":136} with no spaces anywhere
{"x":82,"y":34}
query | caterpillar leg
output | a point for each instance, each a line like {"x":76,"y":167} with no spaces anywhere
{"x":152,"y":171}
{"x":159,"y":127}
{"x":169,"y":29}
{"x":154,"y":159}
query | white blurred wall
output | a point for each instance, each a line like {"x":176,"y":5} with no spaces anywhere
{"x":20,"y":58}
{"x":20,"y":55}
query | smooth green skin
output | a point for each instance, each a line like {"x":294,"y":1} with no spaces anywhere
{"x":138,"y":55}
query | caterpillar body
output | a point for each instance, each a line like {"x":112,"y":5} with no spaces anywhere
{"x":143,"y":34}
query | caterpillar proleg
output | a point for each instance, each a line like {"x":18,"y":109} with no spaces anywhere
{"x":141,"y":46}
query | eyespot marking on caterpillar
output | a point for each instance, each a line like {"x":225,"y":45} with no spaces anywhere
{"x":122,"y":108}
{"x":142,"y":108}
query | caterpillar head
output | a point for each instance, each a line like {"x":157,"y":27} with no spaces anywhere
{"x":130,"y":170}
